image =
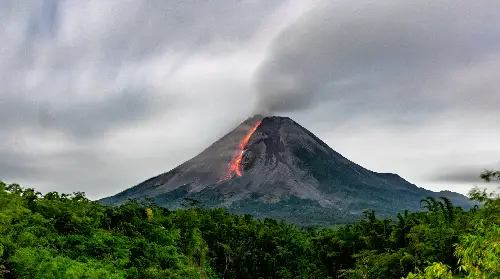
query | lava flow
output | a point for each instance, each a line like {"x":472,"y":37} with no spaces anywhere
{"x":234,"y":167}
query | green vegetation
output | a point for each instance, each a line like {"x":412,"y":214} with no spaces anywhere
{"x":69,"y":236}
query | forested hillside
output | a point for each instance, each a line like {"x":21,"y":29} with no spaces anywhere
{"x":69,"y":236}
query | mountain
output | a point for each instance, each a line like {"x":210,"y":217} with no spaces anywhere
{"x":273,"y":167}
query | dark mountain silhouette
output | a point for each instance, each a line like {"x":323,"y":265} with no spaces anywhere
{"x":287,"y":173}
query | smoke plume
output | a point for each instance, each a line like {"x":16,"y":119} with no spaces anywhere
{"x":392,"y":54}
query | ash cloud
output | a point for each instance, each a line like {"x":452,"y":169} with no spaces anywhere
{"x":393,"y":55}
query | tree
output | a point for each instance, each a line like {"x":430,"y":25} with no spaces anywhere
{"x":490,"y":175}
{"x":430,"y":204}
{"x":434,"y":271}
{"x":480,"y":252}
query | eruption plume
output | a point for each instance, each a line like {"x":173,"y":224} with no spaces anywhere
{"x":234,"y":166}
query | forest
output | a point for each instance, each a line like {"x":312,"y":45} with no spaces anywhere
{"x":69,"y":236}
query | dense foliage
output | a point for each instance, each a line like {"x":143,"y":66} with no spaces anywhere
{"x":69,"y":236}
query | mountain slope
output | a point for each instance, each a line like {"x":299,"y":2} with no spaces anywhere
{"x":287,"y":173}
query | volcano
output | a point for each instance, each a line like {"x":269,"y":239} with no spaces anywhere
{"x":273,"y":167}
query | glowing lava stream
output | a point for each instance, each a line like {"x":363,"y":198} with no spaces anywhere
{"x":234,"y":166}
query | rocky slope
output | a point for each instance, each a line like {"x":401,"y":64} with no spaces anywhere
{"x":287,"y":173}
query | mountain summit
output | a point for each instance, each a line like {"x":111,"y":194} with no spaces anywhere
{"x":273,"y":167}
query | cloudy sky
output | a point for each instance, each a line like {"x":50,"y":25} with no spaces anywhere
{"x":97,"y":96}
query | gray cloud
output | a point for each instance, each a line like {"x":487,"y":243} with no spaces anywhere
{"x":383,"y":55}
{"x":461,"y":175}
{"x":134,"y":30}
{"x":75,"y":66}
{"x":81,"y":120}
{"x":99,"y":95}
{"x":78,"y":75}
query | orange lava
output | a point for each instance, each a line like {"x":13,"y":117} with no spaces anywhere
{"x":234,"y":167}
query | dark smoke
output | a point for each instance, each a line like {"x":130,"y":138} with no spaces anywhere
{"x":377,"y":54}
{"x":281,"y":92}
{"x":280,"y":81}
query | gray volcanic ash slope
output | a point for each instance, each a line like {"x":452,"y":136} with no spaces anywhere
{"x":287,"y":173}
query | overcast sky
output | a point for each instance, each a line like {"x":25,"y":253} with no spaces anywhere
{"x":97,"y":96}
